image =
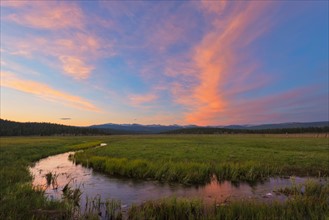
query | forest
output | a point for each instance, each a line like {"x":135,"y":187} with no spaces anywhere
{"x":11,"y":128}
{"x":211,"y":130}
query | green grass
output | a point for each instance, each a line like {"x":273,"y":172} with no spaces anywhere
{"x":18,"y":200}
{"x":178,"y":158}
{"x":194,"y":159}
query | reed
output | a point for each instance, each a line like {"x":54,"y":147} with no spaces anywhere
{"x":182,"y":172}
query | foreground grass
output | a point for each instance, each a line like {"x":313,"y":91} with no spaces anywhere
{"x":187,"y":159}
{"x":311,"y":204}
{"x":195,"y":159}
{"x":18,"y":200}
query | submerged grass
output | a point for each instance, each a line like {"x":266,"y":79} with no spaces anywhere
{"x":195,"y":159}
{"x":95,"y":207}
{"x":313,"y":204}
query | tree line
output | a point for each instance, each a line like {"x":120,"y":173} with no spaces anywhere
{"x":210,"y":130}
{"x":11,"y":128}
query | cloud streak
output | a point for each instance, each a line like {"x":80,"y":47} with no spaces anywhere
{"x":206,"y":86}
{"x":277,"y":107}
{"x":47,"y":15}
{"x":45,"y":92}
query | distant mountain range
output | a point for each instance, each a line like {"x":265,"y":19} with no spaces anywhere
{"x":140,"y":129}
{"x":153,"y":129}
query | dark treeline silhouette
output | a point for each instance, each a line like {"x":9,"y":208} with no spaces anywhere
{"x":210,"y":130}
{"x":11,"y":128}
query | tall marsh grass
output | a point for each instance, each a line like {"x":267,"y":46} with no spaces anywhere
{"x":167,"y":171}
{"x":195,"y":159}
{"x":173,"y":171}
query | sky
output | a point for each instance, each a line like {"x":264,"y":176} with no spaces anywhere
{"x":164,"y":62}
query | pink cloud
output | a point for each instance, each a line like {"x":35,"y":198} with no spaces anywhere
{"x":214,"y":6}
{"x":71,"y":53}
{"x":45,"y":92}
{"x":69,"y":40}
{"x":75,"y":67}
{"x":47,"y":15}
{"x":167,"y":32}
{"x":14,"y":4}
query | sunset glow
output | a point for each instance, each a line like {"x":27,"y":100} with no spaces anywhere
{"x":166,"y":62}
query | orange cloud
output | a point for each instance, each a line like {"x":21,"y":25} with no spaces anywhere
{"x":206,"y":80}
{"x":45,"y":92}
{"x":216,"y":57}
{"x":82,"y":44}
{"x":75,"y":67}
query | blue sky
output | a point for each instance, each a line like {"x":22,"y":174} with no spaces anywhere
{"x":167,"y":62}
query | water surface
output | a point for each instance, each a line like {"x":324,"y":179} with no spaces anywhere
{"x":129,"y":191}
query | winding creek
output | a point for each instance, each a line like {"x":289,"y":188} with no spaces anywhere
{"x":94,"y":184}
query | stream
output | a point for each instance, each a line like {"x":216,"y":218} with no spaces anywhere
{"x":128,"y":191}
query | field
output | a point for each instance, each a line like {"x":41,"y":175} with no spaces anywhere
{"x":194,"y":159}
{"x":189,"y":159}
{"x":17,"y":198}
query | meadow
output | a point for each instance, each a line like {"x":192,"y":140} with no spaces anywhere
{"x":195,"y":159}
{"x":189,"y":159}
{"x":18,"y":199}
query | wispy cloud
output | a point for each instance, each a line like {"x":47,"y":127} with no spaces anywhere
{"x":14,"y":4}
{"x":17,"y":68}
{"x":75,"y":67}
{"x":70,"y":54}
{"x":45,"y":92}
{"x":214,"y":6}
{"x":215,"y":60}
{"x":295,"y":103}
{"x":47,"y":15}
{"x":65,"y":119}
{"x":68,"y":38}
{"x":168,"y":32}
